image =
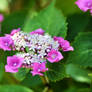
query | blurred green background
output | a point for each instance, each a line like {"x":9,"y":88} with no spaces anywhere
{"x":63,"y":18}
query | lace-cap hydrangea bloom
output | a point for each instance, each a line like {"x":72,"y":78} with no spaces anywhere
{"x":84,"y":5}
{"x":33,"y":50}
{"x":13,"y":63}
{"x":1,"y":18}
{"x":6,"y":43}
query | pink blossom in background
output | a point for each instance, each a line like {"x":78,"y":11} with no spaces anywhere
{"x":13,"y":63}
{"x":54,"y":56}
{"x":38,"y":31}
{"x":15,"y":31}
{"x":38,"y":68}
{"x":84,"y":5}
{"x":1,"y":17}
{"x":6,"y":43}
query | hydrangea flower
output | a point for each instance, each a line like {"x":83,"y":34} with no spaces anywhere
{"x":1,"y":18}
{"x":33,"y":50}
{"x":84,"y":5}
{"x":13,"y":63}
{"x":64,"y":44}
{"x":15,"y":31}
{"x":38,"y":68}
{"x":54,"y":56}
{"x":6,"y":43}
{"x":38,"y":31}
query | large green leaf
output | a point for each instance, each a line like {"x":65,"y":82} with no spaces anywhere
{"x":56,"y":71}
{"x":50,"y":19}
{"x":14,"y":88}
{"x":78,"y":73}
{"x":77,"y":23}
{"x":82,"y":54}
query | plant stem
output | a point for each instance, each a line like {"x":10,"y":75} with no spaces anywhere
{"x":46,"y":83}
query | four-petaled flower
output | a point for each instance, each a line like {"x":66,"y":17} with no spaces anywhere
{"x":13,"y":63}
{"x":54,"y":56}
{"x":38,"y":68}
{"x":6,"y":43}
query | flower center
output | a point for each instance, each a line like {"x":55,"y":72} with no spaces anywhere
{"x":6,"y":44}
{"x":53,"y":56}
{"x":15,"y":64}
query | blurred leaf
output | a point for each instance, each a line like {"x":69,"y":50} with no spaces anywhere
{"x":3,"y":5}
{"x":77,"y":23}
{"x":14,"y":88}
{"x":13,"y":21}
{"x":68,"y":7}
{"x":74,"y":89}
{"x":1,"y":70}
{"x":82,"y":54}
{"x":49,"y":19}
{"x":78,"y":73}
{"x":21,"y":74}
{"x":31,"y":81}
{"x":56,"y":71}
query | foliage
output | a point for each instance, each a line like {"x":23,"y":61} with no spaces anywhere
{"x":60,"y":18}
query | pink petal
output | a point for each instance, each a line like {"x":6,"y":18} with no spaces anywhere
{"x":8,"y":69}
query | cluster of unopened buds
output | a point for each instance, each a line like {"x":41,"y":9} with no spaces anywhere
{"x":84,"y":5}
{"x":33,"y":50}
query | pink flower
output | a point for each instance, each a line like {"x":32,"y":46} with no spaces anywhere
{"x":66,"y":46}
{"x":59,"y":39}
{"x":6,"y":43}
{"x":84,"y":5}
{"x":1,"y":18}
{"x":15,"y":31}
{"x":38,"y":68}
{"x":13,"y":63}
{"x":38,"y":31}
{"x":54,"y":56}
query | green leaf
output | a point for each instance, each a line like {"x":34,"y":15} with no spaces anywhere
{"x":1,"y":71}
{"x":31,"y":81}
{"x":68,"y":7}
{"x":56,"y":71}
{"x":77,"y":23}
{"x":21,"y":74}
{"x":14,"y":88}
{"x":78,"y":73}
{"x":13,"y":21}
{"x":82,"y":54}
{"x":49,"y":19}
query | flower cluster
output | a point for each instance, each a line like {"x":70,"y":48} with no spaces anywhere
{"x":34,"y":50}
{"x":84,"y":5}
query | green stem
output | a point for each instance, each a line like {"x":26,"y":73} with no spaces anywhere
{"x":45,"y":81}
